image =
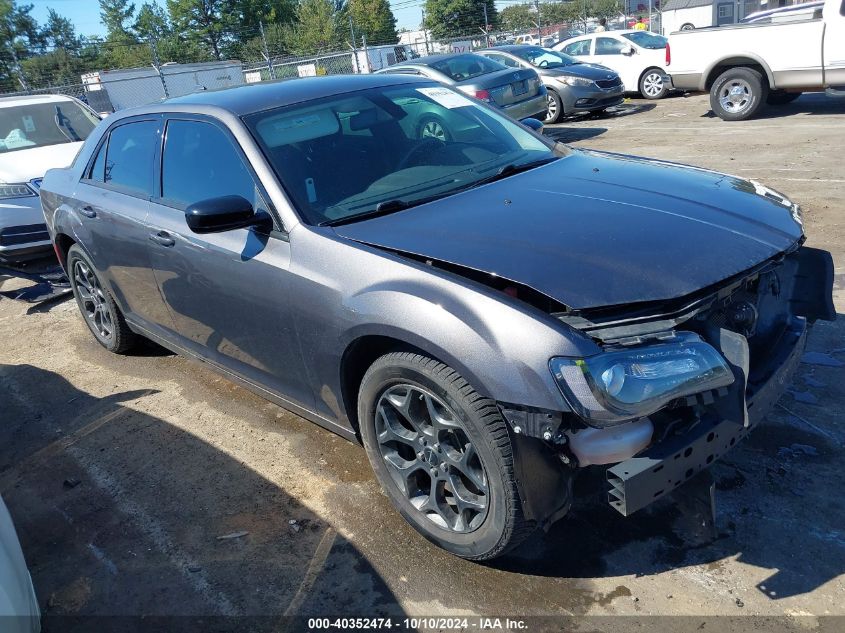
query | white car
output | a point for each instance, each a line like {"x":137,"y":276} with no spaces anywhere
{"x":19,"y":612}
{"x":37,"y":133}
{"x":638,"y":57}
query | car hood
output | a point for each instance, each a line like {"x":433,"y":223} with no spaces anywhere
{"x":587,"y":71}
{"x":23,"y":165}
{"x":595,"y":229}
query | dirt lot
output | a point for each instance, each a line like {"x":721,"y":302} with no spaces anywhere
{"x":147,"y":485}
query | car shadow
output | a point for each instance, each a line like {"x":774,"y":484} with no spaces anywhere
{"x":815,"y":103}
{"x":572,"y":134}
{"x":777,"y":499}
{"x":131,"y":523}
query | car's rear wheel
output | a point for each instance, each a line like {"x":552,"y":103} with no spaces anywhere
{"x":555,"y":107}
{"x":688,"y":27}
{"x":652,"y":85}
{"x":442,"y":454}
{"x":101,"y":314}
{"x":738,"y":93}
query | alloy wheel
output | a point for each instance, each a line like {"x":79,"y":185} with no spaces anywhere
{"x":652,"y":84}
{"x":93,"y":301}
{"x":551,"y":113}
{"x":735,"y":96}
{"x":433,"y":129}
{"x":431,"y":459}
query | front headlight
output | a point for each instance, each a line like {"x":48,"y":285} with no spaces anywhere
{"x":625,"y":384}
{"x":15,"y":191}
{"x":577,"y":81}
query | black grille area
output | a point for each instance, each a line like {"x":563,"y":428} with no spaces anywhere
{"x":14,"y":235}
{"x":609,"y":83}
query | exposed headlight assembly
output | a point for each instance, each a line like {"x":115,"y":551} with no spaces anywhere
{"x":15,"y":191}
{"x":576,"y":81}
{"x":619,"y":385}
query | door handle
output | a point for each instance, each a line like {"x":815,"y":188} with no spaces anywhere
{"x":88,"y":211}
{"x":163,"y":238}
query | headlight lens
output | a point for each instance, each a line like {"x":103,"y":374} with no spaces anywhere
{"x":15,"y":191}
{"x":625,"y":384}
{"x":576,"y":81}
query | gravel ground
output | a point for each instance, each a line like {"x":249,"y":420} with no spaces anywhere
{"x":148,"y":485}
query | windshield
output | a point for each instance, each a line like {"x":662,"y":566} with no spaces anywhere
{"x":384,"y":149}
{"x":545,"y":58}
{"x":40,"y":124}
{"x":464,"y":67}
{"x":644,"y":39}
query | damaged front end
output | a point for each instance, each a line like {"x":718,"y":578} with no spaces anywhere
{"x":678,"y":385}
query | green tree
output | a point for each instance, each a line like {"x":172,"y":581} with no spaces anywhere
{"x":208,"y":22}
{"x":454,"y":18}
{"x":152,"y":22}
{"x":607,"y":9}
{"x":115,"y":14}
{"x":59,"y":32}
{"x":20,"y":38}
{"x":374,"y":19}
{"x":320,"y":26}
{"x":517,"y":17}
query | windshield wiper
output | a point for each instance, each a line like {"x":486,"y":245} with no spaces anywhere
{"x":512,"y":168}
{"x":384,"y":208}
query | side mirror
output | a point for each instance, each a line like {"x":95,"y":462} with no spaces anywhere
{"x":225,"y":213}
{"x":629,"y":50}
{"x":534,"y":124}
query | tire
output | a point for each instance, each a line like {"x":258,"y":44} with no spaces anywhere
{"x":433,"y":127}
{"x":651,"y":84}
{"x":97,"y":306}
{"x":688,"y":27}
{"x":781,"y":97}
{"x":738,"y":93}
{"x":555,"y":111}
{"x":398,"y":394}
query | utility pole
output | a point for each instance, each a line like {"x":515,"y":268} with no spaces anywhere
{"x":354,"y":50}
{"x":425,"y":33}
{"x":157,"y":66}
{"x":539,"y":32}
{"x":266,"y":51}
{"x":650,"y":2}
{"x":486,"y":24}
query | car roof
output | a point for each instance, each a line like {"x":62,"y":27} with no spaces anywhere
{"x":512,"y":48}
{"x":32,"y":100}
{"x":250,"y":98}
{"x":431,"y":59}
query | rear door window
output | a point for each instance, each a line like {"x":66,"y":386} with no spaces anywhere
{"x":129,"y":158}
{"x":201,"y":162}
{"x":609,"y":46}
{"x":578,"y":49}
{"x":465,"y":67}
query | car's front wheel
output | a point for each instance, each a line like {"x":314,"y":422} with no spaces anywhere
{"x":738,"y":93}
{"x":442,"y":454}
{"x":100,"y":312}
{"x":555,"y":107}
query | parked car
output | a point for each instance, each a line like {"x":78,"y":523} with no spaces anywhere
{"x":377,"y":57}
{"x":745,"y":66}
{"x":571,"y":86}
{"x":519,"y":94}
{"x":36,"y":134}
{"x":638,"y":57}
{"x":489,"y":315}
{"x":19,"y":612}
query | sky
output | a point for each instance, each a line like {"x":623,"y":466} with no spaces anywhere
{"x":85,"y":14}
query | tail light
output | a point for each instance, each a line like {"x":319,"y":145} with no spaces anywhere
{"x":668,"y":54}
{"x":483,"y":95}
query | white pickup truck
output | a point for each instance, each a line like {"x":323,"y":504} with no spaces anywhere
{"x":744,"y":66}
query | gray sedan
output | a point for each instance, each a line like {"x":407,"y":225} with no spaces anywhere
{"x":520,"y":93}
{"x":572,"y":86}
{"x":490,"y":314}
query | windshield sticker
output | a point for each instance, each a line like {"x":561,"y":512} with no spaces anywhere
{"x":28,"y":124}
{"x":445,"y":97}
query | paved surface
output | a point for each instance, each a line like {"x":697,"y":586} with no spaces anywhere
{"x":148,"y":485}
